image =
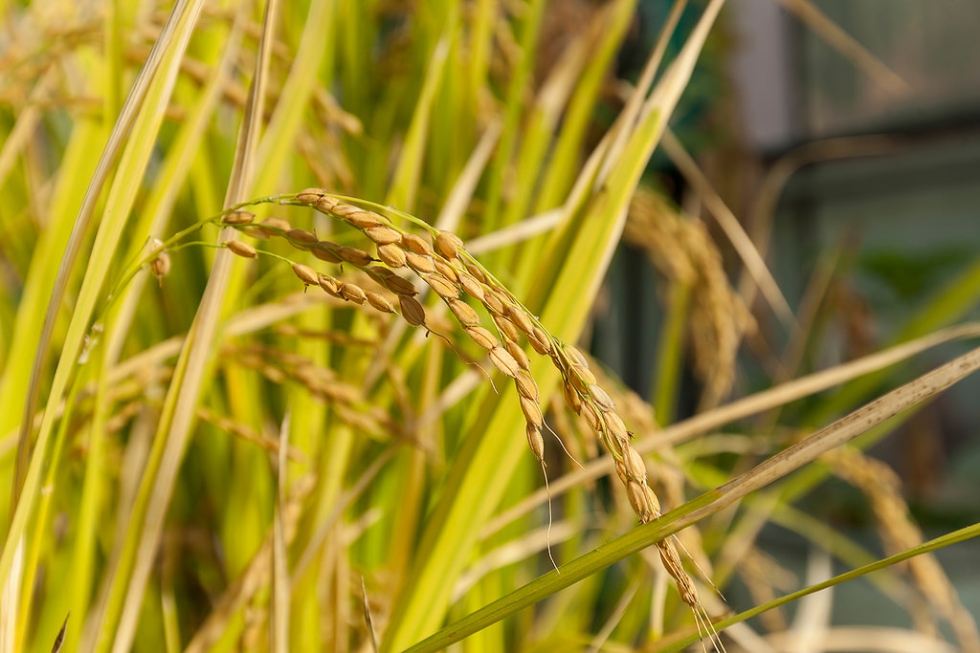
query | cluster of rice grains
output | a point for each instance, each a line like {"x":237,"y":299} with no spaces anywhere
{"x":450,"y":272}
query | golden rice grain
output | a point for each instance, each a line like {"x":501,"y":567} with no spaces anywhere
{"x":355,"y":256}
{"x":274,"y":374}
{"x":239,"y":217}
{"x":526,"y":385}
{"x":518,"y":353}
{"x":535,"y":441}
{"x":300,"y":238}
{"x":399,"y":285}
{"x":326,"y":204}
{"x":380,"y":302}
{"x":448,"y":244}
{"x":493,"y":303}
{"x":503,"y":361}
{"x":412,"y":310}
{"x":576,"y":376}
{"x":638,"y":501}
{"x":330,"y":285}
{"x":383,"y":235}
{"x":160,"y":265}
{"x":475,"y":270}
{"x":445,"y":270}
{"x":324,"y":250}
{"x":367,"y":220}
{"x":532,"y":412}
{"x":519,"y":316}
{"x":540,"y":341}
{"x":633,"y":463}
{"x":615,"y":426}
{"x":591,"y":415}
{"x":306,"y":274}
{"x":421,"y":263}
{"x":621,"y":472}
{"x":352,"y":293}
{"x":601,"y":398}
{"x":310,"y":195}
{"x":506,"y":327}
{"x":274,"y":227}
{"x":481,"y":336}
{"x":572,"y":399}
{"x":473,"y":287}
{"x":463,"y":312}
{"x":391,"y":255}
{"x":442,"y":287}
{"x":242,"y":249}
{"x":417,"y":244}
{"x":344,"y":210}
{"x":575,"y":356}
